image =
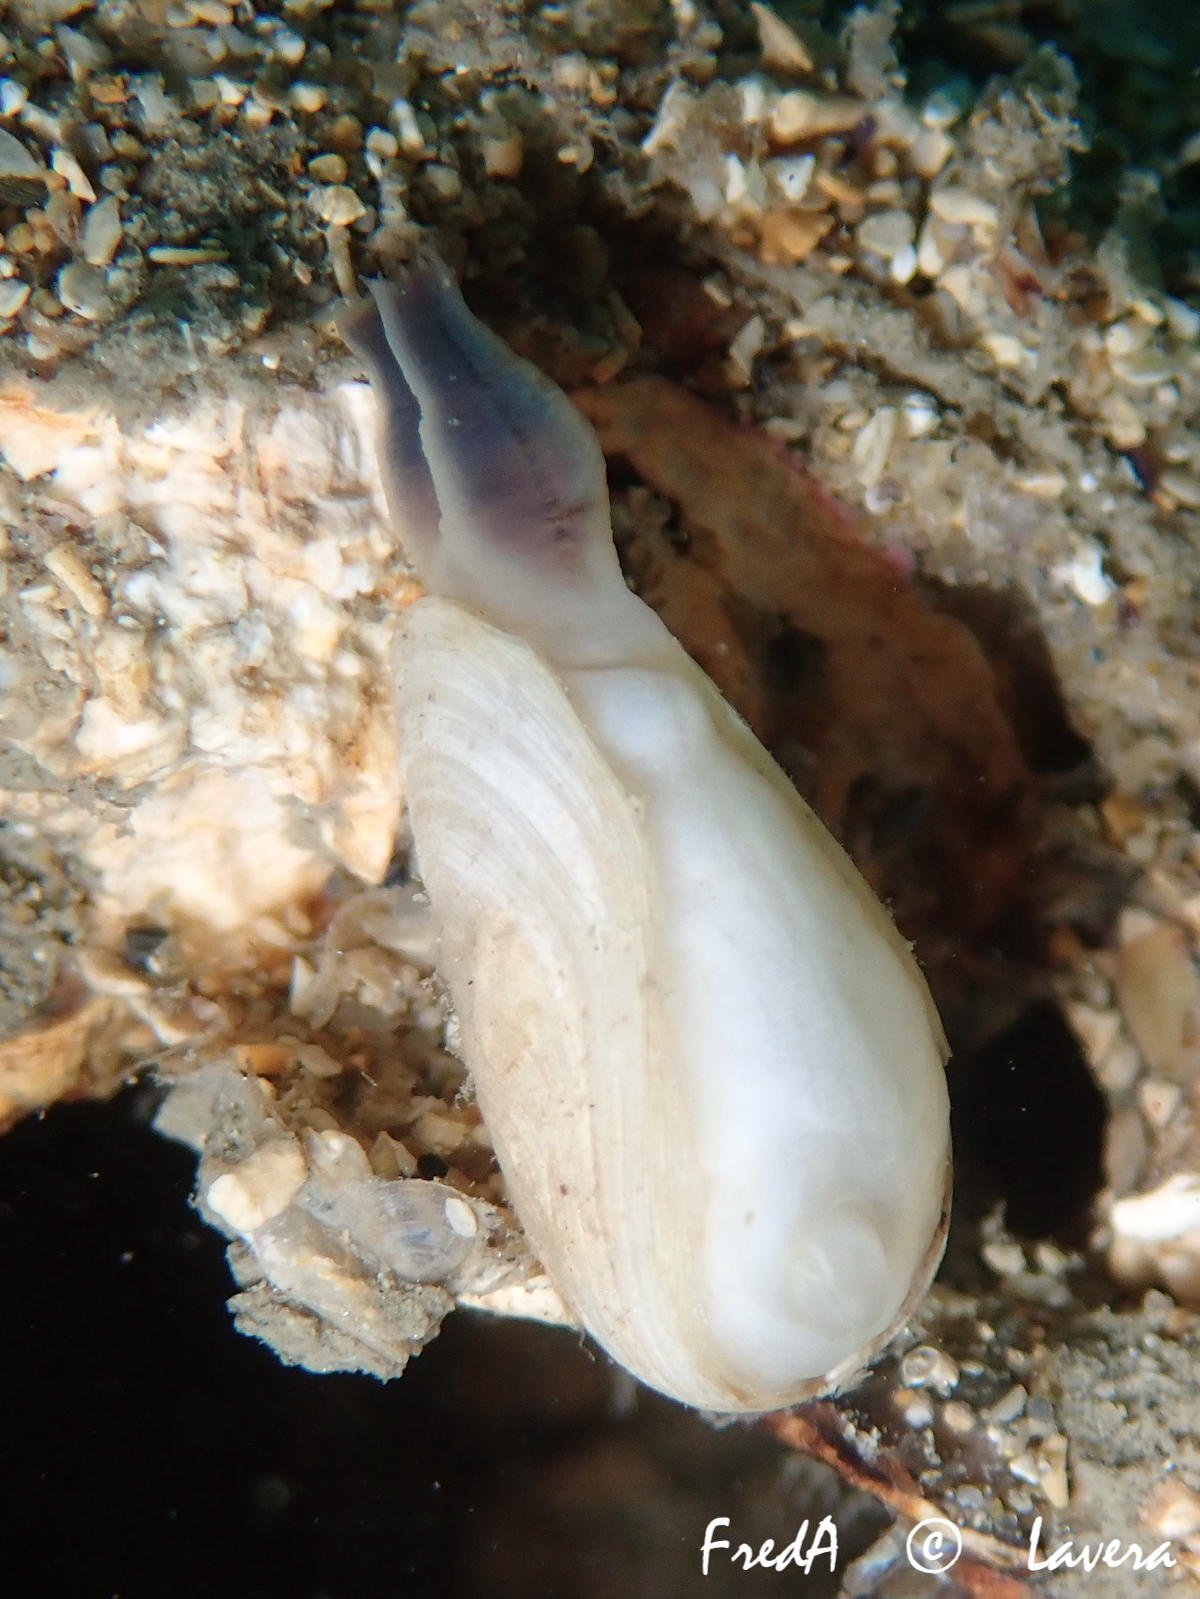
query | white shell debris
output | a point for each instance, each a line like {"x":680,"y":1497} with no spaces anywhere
{"x":799,"y":114}
{"x":886,"y":232}
{"x":874,"y":444}
{"x":338,"y":205}
{"x":13,"y":97}
{"x":258,"y":1188}
{"x":927,"y":1367}
{"x":81,"y":288}
{"x":13,"y":295}
{"x":222,"y":657}
{"x":101,"y":231}
{"x":1157,"y":986}
{"x":15,"y":159}
{"x":1156,"y":1236}
{"x":1084,"y":573}
{"x":340,"y":1269}
{"x":65,"y":164}
{"x":781,"y":46}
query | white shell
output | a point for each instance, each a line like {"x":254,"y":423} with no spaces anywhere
{"x":710,"y":1067}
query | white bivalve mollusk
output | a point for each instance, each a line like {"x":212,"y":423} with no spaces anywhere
{"x":710,"y":1067}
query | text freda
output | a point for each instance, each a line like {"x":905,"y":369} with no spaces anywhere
{"x":802,"y":1552}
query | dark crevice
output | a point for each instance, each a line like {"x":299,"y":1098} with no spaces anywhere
{"x":1028,"y":1122}
{"x":1027,"y":685}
